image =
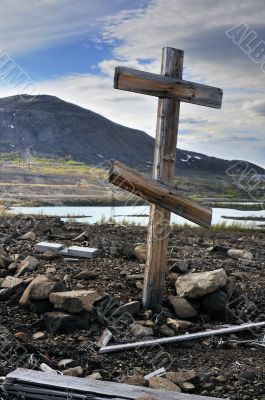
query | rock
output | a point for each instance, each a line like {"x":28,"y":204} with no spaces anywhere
{"x":230,"y":286}
{"x":141,"y":331}
{"x":147,"y":323}
{"x":182,"y":307}
{"x":216,"y":305}
{"x":28,"y":236}
{"x":4,"y":262}
{"x":166,"y":331}
{"x":95,"y":375}
{"x":163,"y":383}
{"x":181,"y":376}
{"x":75,"y":371}
{"x":172,"y":277}
{"x":36,"y":281}
{"x":38,"y":335}
{"x":187,"y":387}
{"x":29,"y":264}
{"x":41,"y":291}
{"x":177,"y":324}
{"x":66,"y":363}
{"x":75,"y":301}
{"x":176,"y":265}
{"x":131,"y":308}
{"x":22,"y":336}
{"x":136,"y":380}
{"x":200,"y":283}
{"x":50,"y":255}
{"x":10,"y":286}
{"x":86,"y":275}
{"x":139,"y":285}
{"x":62,"y":322}
{"x":240,"y":254}
{"x":140,"y":253}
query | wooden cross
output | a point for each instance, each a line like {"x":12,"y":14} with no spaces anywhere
{"x":170,"y":89}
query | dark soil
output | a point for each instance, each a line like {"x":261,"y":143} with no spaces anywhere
{"x":240,"y":366}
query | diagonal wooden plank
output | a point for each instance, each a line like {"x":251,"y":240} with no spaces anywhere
{"x":132,"y":80}
{"x":159,"y":194}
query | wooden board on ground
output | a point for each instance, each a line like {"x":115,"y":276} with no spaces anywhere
{"x":34,"y":383}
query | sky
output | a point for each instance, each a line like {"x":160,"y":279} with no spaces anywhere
{"x":69,"y":48}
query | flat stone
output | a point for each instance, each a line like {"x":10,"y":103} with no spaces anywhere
{"x":240,"y":254}
{"x":182,"y":307}
{"x":66,"y":363}
{"x":10,"y":286}
{"x":75,"y":301}
{"x":28,"y":236}
{"x":29,"y":264}
{"x":187,"y":387}
{"x":38,"y":335}
{"x":141,"y":331}
{"x":163,"y":383}
{"x":177,"y":324}
{"x":199,"y":284}
{"x":50,"y":255}
{"x":140,"y":253}
{"x":131,"y":308}
{"x":166,"y":331}
{"x":86,"y":275}
{"x":95,"y":375}
{"x":176,"y":265}
{"x":136,"y":380}
{"x":63,"y":322}
{"x":181,"y":376}
{"x":76,"y":371}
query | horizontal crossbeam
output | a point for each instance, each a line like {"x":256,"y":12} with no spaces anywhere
{"x":143,"y":82}
{"x":159,"y":194}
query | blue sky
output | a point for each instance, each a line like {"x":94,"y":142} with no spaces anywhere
{"x":69,"y":48}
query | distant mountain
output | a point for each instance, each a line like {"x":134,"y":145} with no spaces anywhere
{"x":50,"y":126}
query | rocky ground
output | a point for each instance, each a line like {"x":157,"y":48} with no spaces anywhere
{"x":34,"y":330}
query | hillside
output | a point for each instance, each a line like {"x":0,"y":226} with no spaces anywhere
{"x":49,"y":126}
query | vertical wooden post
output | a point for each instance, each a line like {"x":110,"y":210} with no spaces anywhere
{"x":163,"y":171}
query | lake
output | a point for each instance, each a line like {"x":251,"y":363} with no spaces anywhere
{"x":136,"y":214}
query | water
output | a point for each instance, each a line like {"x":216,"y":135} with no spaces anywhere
{"x":92,"y":215}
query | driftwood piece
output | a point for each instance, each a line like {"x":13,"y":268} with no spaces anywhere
{"x":182,"y":338}
{"x":34,"y":383}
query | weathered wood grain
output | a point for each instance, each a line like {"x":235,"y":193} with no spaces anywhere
{"x":163,"y":171}
{"x":151,"y":84}
{"x":93,"y":388}
{"x":157,"y":193}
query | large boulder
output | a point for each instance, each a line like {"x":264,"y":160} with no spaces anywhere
{"x":140,"y":253}
{"x":201,"y":283}
{"x":75,"y":301}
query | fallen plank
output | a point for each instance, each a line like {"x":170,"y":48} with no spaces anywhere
{"x":151,"y":84}
{"x":159,"y":194}
{"x":182,"y":338}
{"x":29,"y":382}
{"x":77,"y":251}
